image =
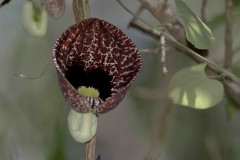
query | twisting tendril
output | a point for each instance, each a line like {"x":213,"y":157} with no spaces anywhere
{"x":36,"y":77}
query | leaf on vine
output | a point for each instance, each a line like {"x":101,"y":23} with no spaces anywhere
{"x":192,"y":88}
{"x":196,"y":31}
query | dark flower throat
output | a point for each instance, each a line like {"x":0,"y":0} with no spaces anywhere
{"x":97,"y":79}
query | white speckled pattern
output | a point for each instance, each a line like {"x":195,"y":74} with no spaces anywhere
{"x":96,"y":44}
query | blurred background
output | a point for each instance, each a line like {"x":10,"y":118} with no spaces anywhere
{"x":145,"y":126}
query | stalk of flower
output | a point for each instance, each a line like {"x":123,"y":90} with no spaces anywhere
{"x":94,"y":56}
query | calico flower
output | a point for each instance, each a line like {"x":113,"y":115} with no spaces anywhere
{"x":94,"y":53}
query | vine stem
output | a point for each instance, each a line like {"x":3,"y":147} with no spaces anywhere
{"x":203,"y":10}
{"x":90,"y":149}
{"x":172,"y":39}
{"x":90,"y":145}
{"x":81,"y":9}
{"x":81,"y":12}
{"x":84,"y":9}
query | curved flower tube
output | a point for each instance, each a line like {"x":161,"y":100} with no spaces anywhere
{"x":55,"y":8}
{"x":94,"y":53}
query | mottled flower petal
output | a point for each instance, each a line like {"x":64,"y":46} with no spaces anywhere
{"x":94,"y":53}
{"x":55,"y":8}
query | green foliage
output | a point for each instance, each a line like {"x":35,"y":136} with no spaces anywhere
{"x":216,"y":21}
{"x":192,"y":88}
{"x":219,"y":19}
{"x":236,"y":2}
{"x":196,"y":31}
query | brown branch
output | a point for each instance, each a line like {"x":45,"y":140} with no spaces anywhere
{"x":90,"y":149}
{"x":231,"y":87}
{"x":228,"y":35}
{"x":146,"y":30}
{"x":163,"y":13}
{"x":134,"y":24}
{"x":203,"y":10}
{"x":177,"y":30}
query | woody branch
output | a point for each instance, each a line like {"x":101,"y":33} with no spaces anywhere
{"x":163,"y":13}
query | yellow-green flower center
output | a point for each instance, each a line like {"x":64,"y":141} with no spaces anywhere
{"x":88,"y":91}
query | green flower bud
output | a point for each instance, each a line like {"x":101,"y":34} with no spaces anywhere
{"x":34,"y":21}
{"x":82,"y":126}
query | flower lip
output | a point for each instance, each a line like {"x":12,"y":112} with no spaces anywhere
{"x":96,"y":54}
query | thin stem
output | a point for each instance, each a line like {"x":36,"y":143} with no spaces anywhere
{"x":138,"y":17}
{"x":81,"y":10}
{"x":84,"y":9}
{"x":171,"y":38}
{"x":90,"y":149}
{"x":203,"y":10}
{"x":139,"y":11}
{"x":146,"y":30}
{"x":36,"y":77}
{"x":228,"y":35}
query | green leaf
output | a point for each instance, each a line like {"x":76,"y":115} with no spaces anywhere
{"x":192,"y":88}
{"x":216,"y":21}
{"x":196,"y":31}
{"x":236,"y":2}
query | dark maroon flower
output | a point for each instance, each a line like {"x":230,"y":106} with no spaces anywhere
{"x":94,"y":53}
